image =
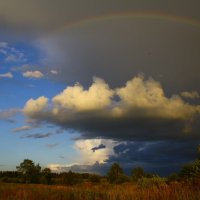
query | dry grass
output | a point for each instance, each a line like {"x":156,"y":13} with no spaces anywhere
{"x":104,"y":191}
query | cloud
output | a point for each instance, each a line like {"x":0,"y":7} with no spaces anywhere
{"x":138,"y":111}
{"x":97,"y":97}
{"x":61,"y":167}
{"x":190,"y":95}
{"x":90,"y":156}
{"x":50,"y":146}
{"x":6,"y":75}
{"x":54,"y":72}
{"x":11,"y":54}
{"x":3,"y":45}
{"x":33,"y":74}
{"x":37,"y":135}
{"x":81,"y":168}
{"x":22,"y":128}
{"x":11,"y":58}
{"x":35,"y":106}
{"x":162,"y":157}
{"x":7,"y":115}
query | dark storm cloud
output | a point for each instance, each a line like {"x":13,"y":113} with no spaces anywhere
{"x":158,"y":157}
{"x":21,"y":14}
{"x":114,"y":49}
{"x":128,"y":128}
{"x":118,"y":49}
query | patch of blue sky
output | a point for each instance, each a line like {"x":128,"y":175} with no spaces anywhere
{"x":34,"y":148}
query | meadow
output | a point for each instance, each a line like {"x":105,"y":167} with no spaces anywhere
{"x":101,"y":191}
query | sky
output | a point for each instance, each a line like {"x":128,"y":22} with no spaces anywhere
{"x":84,"y":84}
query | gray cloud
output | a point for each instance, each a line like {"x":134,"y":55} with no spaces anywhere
{"x":7,"y":115}
{"x":95,"y":168}
{"x":21,"y":13}
{"x":161,"y":157}
{"x":119,"y":48}
{"x":37,"y":135}
{"x":22,"y":128}
{"x":52,"y":145}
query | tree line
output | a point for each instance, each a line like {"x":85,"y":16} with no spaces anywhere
{"x":29,"y":172}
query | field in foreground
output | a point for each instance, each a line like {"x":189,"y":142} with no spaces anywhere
{"x":87,"y":191}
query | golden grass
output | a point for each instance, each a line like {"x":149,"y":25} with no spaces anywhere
{"x":104,"y":191}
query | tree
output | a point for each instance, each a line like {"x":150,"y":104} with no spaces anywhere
{"x":94,"y":178}
{"x":138,"y":173}
{"x":46,"y":176}
{"x":116,"y":174}
{"x":191,"y":171}
{"x":30,"y":173}
{"x":70,"y":178}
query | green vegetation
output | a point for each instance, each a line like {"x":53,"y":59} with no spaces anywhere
{"x":116,"y":174}
{"x":191,"y":171}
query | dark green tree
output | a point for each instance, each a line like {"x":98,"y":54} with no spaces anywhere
{"x":94,"y":178}
{"x":70,"y":178}
{"x":29,"y":172}
{"x":116,"y":175}
{"x":138,"y":173}
{"x":191,"y":171}
{"x":46,"y":176}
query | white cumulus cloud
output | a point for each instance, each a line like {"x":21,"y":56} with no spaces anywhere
{"x":6,"y":75}
{"x":35,"y":106}
{"x":98,"y":96}
{"x":33,"y":74}
{"x":88,"y":156}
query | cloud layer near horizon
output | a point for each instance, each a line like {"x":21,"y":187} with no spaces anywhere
{"x":138,"y":111}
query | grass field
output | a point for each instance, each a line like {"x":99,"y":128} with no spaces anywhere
{"x":104,"y":191}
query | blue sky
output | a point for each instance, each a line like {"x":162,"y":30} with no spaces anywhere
{"x":99,"y":82}
{"x":15,"y":91}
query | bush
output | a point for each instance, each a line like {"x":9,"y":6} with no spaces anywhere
{"x":154,"y":181}
{"x":70,"y":178}
{"x":191,"y":171}
{"x":94,"y":178}
{"x":173,"y":177}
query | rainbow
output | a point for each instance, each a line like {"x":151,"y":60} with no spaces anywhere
{"x":134,"y":15}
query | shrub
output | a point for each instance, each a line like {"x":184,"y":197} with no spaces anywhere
{"x":94,"y":178}
{"x":191,"y":171}
{"x":154,"y":181}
